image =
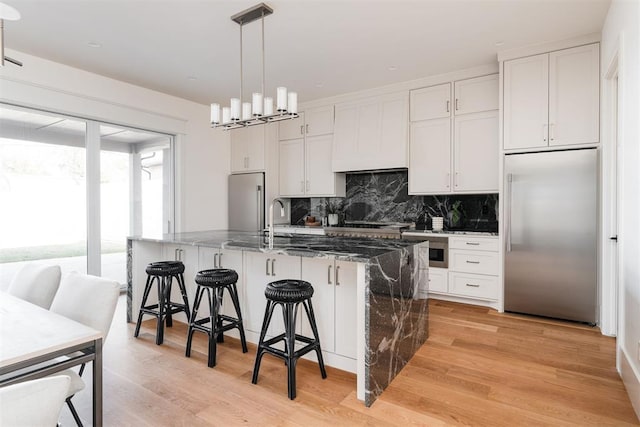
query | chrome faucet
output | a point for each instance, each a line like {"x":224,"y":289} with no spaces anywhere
{"x":271,"y":218}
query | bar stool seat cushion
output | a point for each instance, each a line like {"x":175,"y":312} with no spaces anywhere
{"x":216,"y":277}
{"x":288,"y":290}
{"x":165,"y":268}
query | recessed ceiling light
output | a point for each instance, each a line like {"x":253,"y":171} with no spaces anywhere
{"x":319,"y":85}
{"x":499,"y":43}
{"x":94,"y":44}
{"x":192,"y":78}
{"x":393,"y":68}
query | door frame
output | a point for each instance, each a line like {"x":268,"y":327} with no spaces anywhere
{"x":611,"y":206}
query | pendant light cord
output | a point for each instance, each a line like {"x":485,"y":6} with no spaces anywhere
{"x":241,"y":83}
{"x":263,"y":92}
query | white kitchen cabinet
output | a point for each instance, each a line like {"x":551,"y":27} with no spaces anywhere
{"x":552,"y":99}
{"x":476,"y":95}
{"x":475,"y":151}
{"x":430,"y":157}
{"x":457,"y":152}
{"x":261,"y":269}
{"x":371,"y":133}
{"x":291,"y":129}
{"x":334,"y":304}
{"x":209,"y":258}
{"x":188,"y":254}
{"x":247,"y":149}
{"x":145,"y":253}
{"x":473,"y":267}
{"x":431,"y":102}
{"x":438,"y":281}
{"x":305,"y":161}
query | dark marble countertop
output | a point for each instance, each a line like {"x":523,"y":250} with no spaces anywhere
{"x":343,"y":248}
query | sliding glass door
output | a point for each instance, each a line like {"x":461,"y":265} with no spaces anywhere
{"x":72,"y":190}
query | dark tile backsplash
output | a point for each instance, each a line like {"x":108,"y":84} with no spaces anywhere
{"x":383,"y":196}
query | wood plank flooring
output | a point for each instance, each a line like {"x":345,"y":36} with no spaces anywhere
{"x":478,"y":368}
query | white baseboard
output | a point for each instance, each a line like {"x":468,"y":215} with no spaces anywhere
{"x":631,"y":379}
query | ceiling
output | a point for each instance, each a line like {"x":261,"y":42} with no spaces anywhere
{"x":318,"y":48}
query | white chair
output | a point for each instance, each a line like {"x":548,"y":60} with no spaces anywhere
{"x":89,"y":300}
{"x":33,"y":403}
{"x":36,"y":283}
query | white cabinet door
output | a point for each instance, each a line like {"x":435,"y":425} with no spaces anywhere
{"x":526,"y":102}
{"x":574,"y":95}
{"x":320,"y":273}
{"x":346,"y":318}
{"x":291,"y":129}
{"x":319,"y":121}
{"x":260,"y":269}
{"x":476,"y":95}
{"x":247,"y":149}
{"x":345,"y":137}
{"x":431,"y":102}
{"x":430,"y":157}
{"x":438,"y":280}
{"x":320,"y":179}
{"x":476,"y":152}
{"x":394,"y":132}
{"x":292,"y":182}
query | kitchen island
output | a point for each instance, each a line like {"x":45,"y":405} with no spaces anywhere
{"x":370,"y":315}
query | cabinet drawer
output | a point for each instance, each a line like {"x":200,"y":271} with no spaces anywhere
{"x":438,"y":280}
{"x":473,"y":243}
{"x":473,"y":285}
{"x":478,"y":262}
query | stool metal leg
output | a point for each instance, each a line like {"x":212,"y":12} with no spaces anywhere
{"x":236,"y":305}
{"x":213,"y":316}
{"x":161,"y":313}
{"x":147,"y":289}
{"x":167,"y":300}
{"x":183,"y":291}
{"x":219,"y":293}
{"x":194,"y":316}
{"x":290,"y":336}
{"x":268,"y":312}
{"x":312,"y":321}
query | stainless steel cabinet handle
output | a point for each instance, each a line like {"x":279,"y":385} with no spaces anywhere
{"x":175,"y":254}
{"x":337,"y":275}
{"x":551,"y":132}
{"x":472,"y":243}
{"x":307,"y":127}
{"x":447,"y":106}
{"x":455,"y":179}
{"x":273,"y":267}
{"x":508,"y":212}
{"x":473,"y":285}
{"x":329,"y":275}
{"x":473,"y":262}
{"x":544,"y":133}
{"x":301,"y":130}
{"x":267,"y":267}
{"x":448,"y":179}
{"x":220,"y":261}
{"x":456,"y":104}
{"x":215,"y":260}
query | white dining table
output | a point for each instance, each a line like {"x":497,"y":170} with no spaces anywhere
{"x":35,"y":343}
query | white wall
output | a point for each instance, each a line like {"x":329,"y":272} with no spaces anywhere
{"x":621,"y":33}
{"x":203,"y":154}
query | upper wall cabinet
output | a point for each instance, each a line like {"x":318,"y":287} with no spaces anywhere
{"x":305,"y":150}
{"x":247,"y":149}
{"x":454,"y":139}
{"x":552,"y":99}
{"x":371,"y":133}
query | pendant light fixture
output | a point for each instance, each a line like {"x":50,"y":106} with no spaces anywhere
{"x":10,"y":14}
{"x":261,"y":108}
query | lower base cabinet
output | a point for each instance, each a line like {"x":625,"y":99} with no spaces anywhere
{"x":219,"y":258}
{"x":334,"y":304}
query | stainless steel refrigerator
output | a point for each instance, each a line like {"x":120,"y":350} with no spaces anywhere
{"x":246,"y":202}
{"x":551,"y":234}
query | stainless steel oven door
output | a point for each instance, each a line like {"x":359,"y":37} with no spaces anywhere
{"x":439,"y":253}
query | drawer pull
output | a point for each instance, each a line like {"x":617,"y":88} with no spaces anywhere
{"x":473,"y":262}
{"x":471,"y":285}
{"x":473,"y":243}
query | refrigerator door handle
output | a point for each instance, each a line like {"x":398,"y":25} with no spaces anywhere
{"x":260,"y":210}
{"x":508,"y":212}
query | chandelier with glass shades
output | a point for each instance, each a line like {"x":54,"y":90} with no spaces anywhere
{"x":261,"y":108}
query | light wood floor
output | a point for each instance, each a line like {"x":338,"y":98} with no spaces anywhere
{"x":478,"y":368}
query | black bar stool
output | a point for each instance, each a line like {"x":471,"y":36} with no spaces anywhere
{"x":289,"y":294}
{"x":216,"y":280}
{"x":163,"y":273}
